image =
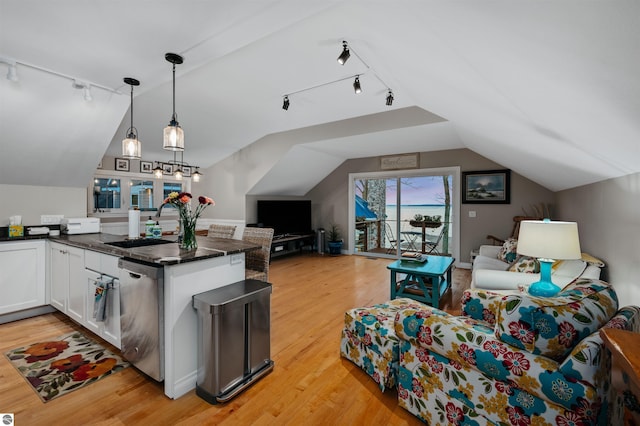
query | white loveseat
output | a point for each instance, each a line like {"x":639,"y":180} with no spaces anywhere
{"x":491,"y":273}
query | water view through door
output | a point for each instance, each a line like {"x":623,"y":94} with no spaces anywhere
{"x":394,"y":214}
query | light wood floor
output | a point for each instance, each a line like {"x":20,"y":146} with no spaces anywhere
{"x":310,"y":384}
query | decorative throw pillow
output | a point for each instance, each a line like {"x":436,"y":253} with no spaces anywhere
{"x":508,"y":251}
{"x":553,"y":326}
{"x":525,"y":264}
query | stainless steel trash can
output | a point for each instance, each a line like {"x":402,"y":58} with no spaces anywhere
{"x":234,"y":332}
{"x":320,"y":240}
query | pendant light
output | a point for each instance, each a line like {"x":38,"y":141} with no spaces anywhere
{"x":158,"y":171}
{"x":173,"y":134}
{"x":196,"y":175}
{"x":131,"y":146}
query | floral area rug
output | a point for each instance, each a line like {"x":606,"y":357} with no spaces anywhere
{"x":64,"y":364}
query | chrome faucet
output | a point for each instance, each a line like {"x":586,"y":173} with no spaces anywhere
{"x":159,"y":210}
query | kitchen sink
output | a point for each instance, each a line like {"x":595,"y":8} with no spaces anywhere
{"x":143,"y":242}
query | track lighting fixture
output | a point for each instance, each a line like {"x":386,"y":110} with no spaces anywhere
{"x":86,"y":89}
{"x":131,"y":146}
{"x":12,"y":73}
{"x":173,"y":134}
{"x":86,"y":94}
{"x":389,"y":98}
{"x":356,"y":85}
{"x":345,"y":53}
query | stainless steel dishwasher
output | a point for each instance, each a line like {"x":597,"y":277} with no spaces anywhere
{"x":142,"y":316}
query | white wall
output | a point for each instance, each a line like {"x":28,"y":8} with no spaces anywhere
{"x":32,"y":201}
{"x":608,"y":216}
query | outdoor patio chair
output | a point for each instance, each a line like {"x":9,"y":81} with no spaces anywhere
{"x":431,"y":247}
{"x":391,"y":239}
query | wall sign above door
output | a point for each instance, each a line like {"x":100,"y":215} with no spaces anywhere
{"x":396,"y":162}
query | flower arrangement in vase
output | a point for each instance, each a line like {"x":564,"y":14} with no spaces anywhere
{"x":188,"y":217}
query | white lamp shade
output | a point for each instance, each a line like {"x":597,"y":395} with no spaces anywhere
{"x":131,"y":148}
{"x":549,"y":239}
{"x":173,"y":138}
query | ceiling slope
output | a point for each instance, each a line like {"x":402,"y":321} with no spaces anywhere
{"x":548,"y":89}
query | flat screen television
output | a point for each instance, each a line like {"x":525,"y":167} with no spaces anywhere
{"x":285,"y":216}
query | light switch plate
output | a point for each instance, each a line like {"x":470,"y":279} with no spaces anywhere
{"x":472,"y":213}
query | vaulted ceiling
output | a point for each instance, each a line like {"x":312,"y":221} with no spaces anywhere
{"x":550,"y":90}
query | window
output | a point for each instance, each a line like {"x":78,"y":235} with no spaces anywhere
{"x":400,"y":211}
{"x":114,"y":192}
{"x":141,"y":194}
{"x":106,"y":193}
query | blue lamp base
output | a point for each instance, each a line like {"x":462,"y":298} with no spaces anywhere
{"x":544,"y":287}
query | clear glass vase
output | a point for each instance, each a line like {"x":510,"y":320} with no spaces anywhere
{"x":188,"y":241}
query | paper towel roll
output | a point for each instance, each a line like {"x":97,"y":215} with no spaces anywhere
{"x":134,"y":224}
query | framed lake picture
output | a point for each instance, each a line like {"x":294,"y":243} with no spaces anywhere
{"x":486,"y":187}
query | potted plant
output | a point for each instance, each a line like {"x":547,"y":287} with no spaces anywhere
{"x":335,"y":240}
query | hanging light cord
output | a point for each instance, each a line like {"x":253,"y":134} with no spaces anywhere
{"x":174,"y":117}
{"x":131,"y":128}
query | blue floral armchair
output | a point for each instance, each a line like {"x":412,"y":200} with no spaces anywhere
{"x":512,"y":360}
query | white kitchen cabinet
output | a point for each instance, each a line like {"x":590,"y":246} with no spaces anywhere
{"x":23,"y":278}
{"x":58,"y":276}
{"x":68,"y":280}
{"x":103,"y":267}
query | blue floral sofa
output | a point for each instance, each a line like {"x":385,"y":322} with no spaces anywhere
{"x":507,"y":360}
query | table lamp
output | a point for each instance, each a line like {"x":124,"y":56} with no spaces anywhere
{"x":548,"y":241}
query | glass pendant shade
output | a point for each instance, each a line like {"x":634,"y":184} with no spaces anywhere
{"x":131,"y":147}
{"x":196,"y":175}
{"x":173,"y":137}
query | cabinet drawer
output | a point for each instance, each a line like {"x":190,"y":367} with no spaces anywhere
{"x":109,"y":265}
{"x":92,"y":260}
{"x":103,"y":263}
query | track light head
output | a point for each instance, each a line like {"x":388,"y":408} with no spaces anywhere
{"x":285,"y":103}
{"x":389,"y":98}
{"x":12,"y":73}
{"x":356,"y":85}
{"x":345,"y":53}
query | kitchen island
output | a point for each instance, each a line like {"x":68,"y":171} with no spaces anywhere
{"x":215,"y":263}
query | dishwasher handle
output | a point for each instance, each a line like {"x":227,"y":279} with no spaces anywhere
{"x":137,"y":270}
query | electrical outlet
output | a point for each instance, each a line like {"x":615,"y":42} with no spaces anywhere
{"x":472,"y":213}
{"x":51,"y":219}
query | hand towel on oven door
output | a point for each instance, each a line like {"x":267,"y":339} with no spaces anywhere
{"x":100,"y":298}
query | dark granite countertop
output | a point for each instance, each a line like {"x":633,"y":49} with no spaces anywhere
{"x":4,"y":233}
{"x":163,"y":254}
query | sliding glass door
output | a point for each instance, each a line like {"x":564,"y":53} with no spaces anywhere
{"x":405,"y":211}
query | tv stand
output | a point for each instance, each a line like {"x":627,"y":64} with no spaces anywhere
{"x":283,"y":244}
